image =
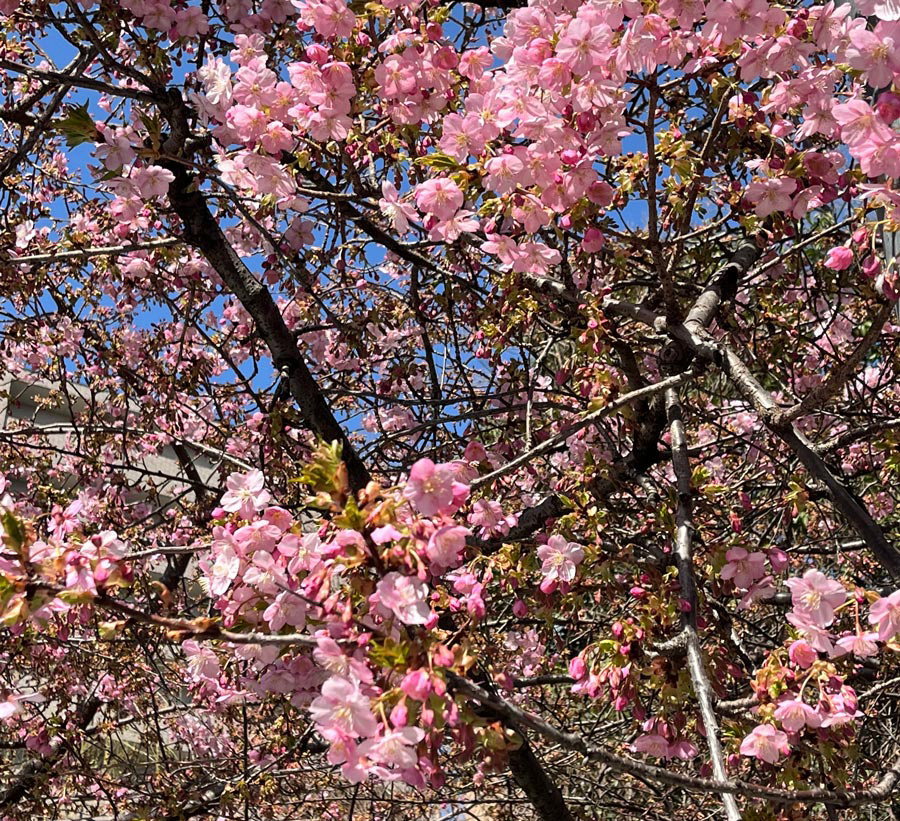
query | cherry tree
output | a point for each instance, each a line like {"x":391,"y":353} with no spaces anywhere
{"x":449,"y":409}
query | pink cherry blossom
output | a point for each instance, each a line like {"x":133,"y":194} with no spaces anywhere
{"x":795,"y":714}
{"x":560,"y":558}
{"x":817,"y":637}
{"x":396,"y":749}
{"x":766,"y":743}
{"x":771,"y":195}
{"x":440,"y":197}
{"x":743,"y":567}
{"x":330,"y":18}
{"x":405,"y":597}
{"x":223,"y":570}
{"x":446,"y":545}
{"x":862,"y":645}
{"x":343,"y":709}
{"x":885,"y":612}
{"x":651,"y":744}
{"x":815,"y":597}
{"x":683,"y":748}
{"x":859,"y":123}
{"x":430,"y":487}
{"x":152,"y":181}
{"x":246,"y":493}
{"x":399,"y":213}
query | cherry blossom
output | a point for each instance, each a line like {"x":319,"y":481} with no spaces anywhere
{"x":766,"y":743}
{"x":560,"y":559}
{"x":795,"y":714}
{"x":743,"y":567}
{"x":885,"y":613}
{"x":246,"y":493}
{"x":815,"y":597}
{"x":343,"y":709}
{"x":405,"y":597}
{"x":431,"y":488}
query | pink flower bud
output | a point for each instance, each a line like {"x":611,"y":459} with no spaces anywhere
{"x":577,"y":668}
{"x":317,"y":53}
{"x":871,"y":266}
{"x":888,"y":107}
{"x":778,"y":559}
{"x":416,"y":684}
{"x":839,"y":259}
{"x":399,"y":715}
{"x":442,"y":656}
{"x":585,"y":121}
{"x":802,"y":654}
{"x":520,"y":609}
{"x":593,"y":241}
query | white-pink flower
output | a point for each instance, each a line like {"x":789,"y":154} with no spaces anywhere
{"x":744,"y":567}
{"x":399,"y":213}
{"x":439,"y":196}
{"x":560,"y":558}
{"x":795,"y":714}
{"x":223,"y":570}
{"x":766,"y":743}
{"x":817,"y":637}
{"x":815,"y":597}
{"x":861,"y":645}
{"x":771,"y":194}
{"x":395,"y":749}
{"x":445,"y":545}
{"x":152,"y":181}
{"x":405,"y":596}
{"x":430,"y":487}
{"x":886,"y":614}
{"x":343,"y":709}
{"x":246,"y":493}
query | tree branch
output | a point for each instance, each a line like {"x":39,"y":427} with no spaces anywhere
{"x":839,"y":375}
{"x":202,"y":231}
{"x":685,"y":562}
{"x":837,"y":798}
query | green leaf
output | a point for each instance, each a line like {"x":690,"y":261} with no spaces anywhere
{"x":437,"y":160}
{"x":14,"y":535}
{"x":78,"y":126}
{"x":326,"y":472}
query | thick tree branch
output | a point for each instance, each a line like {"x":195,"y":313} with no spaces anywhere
{"x":685,"y":562}
{"x":201,"y":229}
{"x":553,"y":442}
{"x":840,"y":373}
{"x":845,"y":502}
{"x":836,"y":798}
